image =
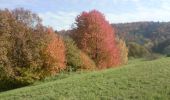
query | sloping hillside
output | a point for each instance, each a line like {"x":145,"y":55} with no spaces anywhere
{"x":149,"y":34}
{"x":155,"y":31}
{"x":139,"y":80}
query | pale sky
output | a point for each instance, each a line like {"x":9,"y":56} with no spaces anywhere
{"x":60,"y":14}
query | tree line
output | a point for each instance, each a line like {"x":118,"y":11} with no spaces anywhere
{"x":30,"y":51}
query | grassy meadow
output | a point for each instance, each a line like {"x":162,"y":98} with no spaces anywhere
{"x":138,"y":80}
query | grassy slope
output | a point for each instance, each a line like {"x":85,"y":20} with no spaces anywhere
{"x":145,"y":80}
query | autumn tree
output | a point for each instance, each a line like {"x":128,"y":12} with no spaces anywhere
{"x":4,"y":36}
{"x":5,"y":47}
{"x":27,"y":17}
{"x":27,"y":53}
{"x":54,"y":54}
{"x":123,"y":51}
{"x":94,"y":36}
{"x":18,"y":64}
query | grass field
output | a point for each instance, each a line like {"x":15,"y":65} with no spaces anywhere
{"x":139,"y":80}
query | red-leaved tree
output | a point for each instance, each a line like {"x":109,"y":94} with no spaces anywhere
{"x":95,"y":36}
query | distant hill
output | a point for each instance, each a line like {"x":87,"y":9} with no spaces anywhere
{"x":135,"y":31}
{"x":149,"y":34}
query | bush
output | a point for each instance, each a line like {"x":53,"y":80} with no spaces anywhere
{"x":87,"y":63}
{"x":136,"y":50}
{"x":162,"y":47}
{"x":168,"y":55}
{"x":167,"y":50}
{"x":74,"y":61}
{"x":6,"y":80}
{"x":153,"y":56}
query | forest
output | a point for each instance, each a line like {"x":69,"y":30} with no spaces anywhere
{"x":155,"y":36}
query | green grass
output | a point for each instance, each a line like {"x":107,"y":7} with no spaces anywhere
{"x":139,"y":80}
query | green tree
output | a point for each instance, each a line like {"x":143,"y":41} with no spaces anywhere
{"x":74,"y":61}
{"x":136,"y":50}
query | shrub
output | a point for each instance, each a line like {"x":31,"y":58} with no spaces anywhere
{"x":74,"y":61}
{"x":87,"y":63}
{"x":153,"y":56}
{"x":167,"y":50}
{"x":168,"y":55}
{"x":136,"y":50}
{"x":162,"y":47}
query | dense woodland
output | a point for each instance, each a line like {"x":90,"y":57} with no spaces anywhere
{"x":155,"y":36}
{"x":30,"y":51}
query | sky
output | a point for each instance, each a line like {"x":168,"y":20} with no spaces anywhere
{"x":61,"y":14}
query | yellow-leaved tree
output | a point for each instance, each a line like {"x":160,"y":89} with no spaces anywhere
{"x":123,"y":51}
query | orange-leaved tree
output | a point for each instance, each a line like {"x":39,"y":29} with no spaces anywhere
{"x":54,"y":54}
{"x":96,"y":37}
